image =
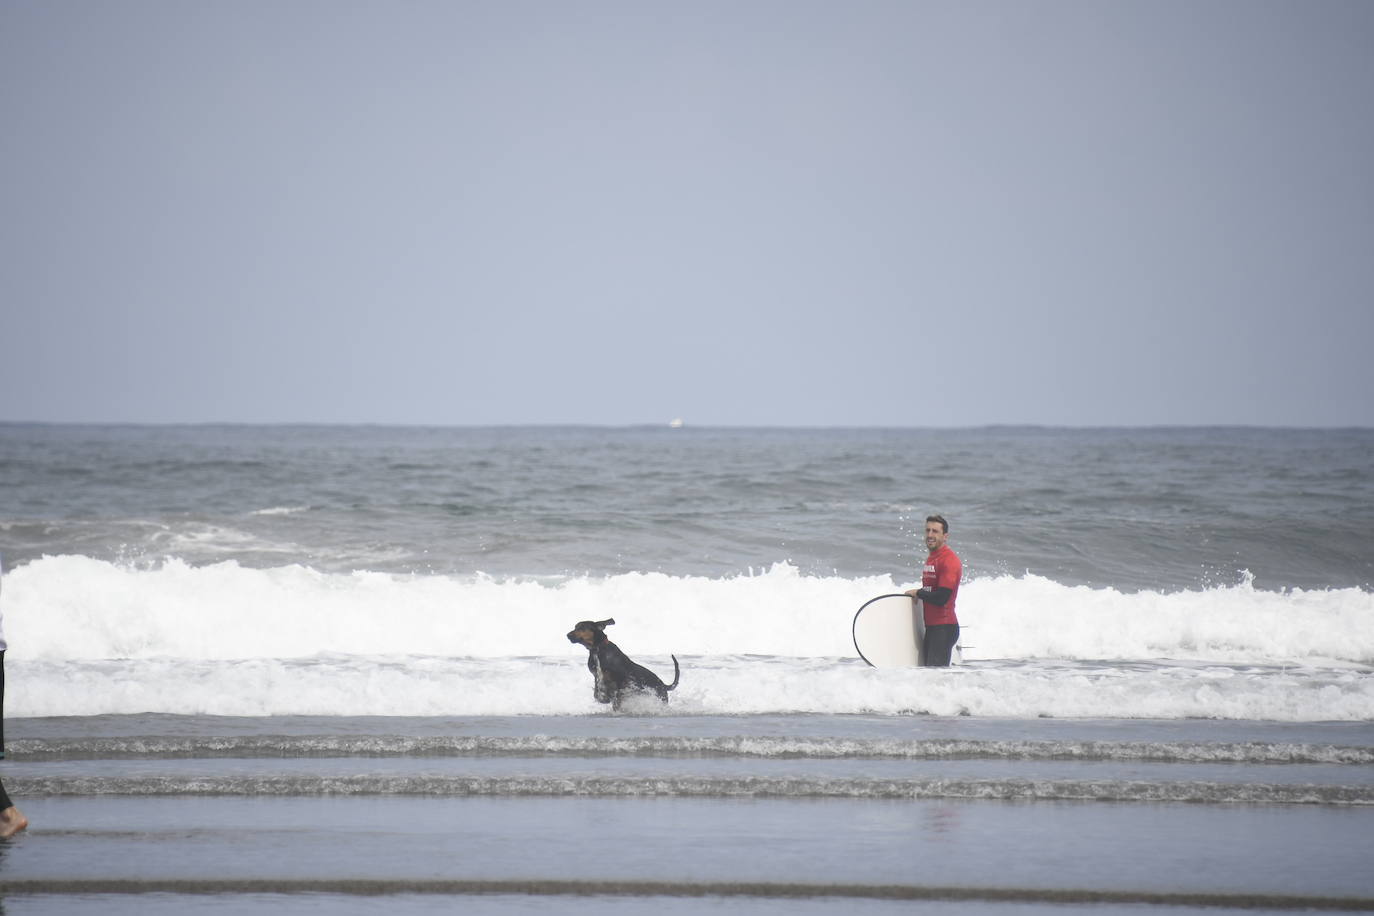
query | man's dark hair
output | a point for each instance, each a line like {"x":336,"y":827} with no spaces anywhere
{"x":941,"y":519}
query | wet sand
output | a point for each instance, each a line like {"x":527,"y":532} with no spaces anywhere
{"x":215,"y":842}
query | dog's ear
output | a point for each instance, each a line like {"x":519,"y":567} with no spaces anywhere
{"x":605,"y":623}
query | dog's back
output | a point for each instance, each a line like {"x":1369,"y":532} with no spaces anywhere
{"x":625,"y":673}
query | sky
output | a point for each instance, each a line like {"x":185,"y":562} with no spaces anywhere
{"x":733,"y":212}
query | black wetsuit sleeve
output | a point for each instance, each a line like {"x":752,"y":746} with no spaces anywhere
{"x":938,"y":596}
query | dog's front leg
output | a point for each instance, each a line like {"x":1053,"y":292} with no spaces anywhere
{"x":602,"y":690}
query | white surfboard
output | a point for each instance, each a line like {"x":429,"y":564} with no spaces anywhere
{"x":889,"y":631}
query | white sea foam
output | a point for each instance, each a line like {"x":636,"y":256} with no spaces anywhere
{"x":89,"y":637}
{"x":74,"y":607}
{"x":733,"y":685}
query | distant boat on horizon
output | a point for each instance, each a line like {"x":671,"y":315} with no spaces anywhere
{"x":675,"y":423}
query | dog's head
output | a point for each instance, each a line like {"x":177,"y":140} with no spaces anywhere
{"x":590,"y":633}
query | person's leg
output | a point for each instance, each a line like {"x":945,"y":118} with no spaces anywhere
{"x":12,"y":820}
{"x":940,"y":640}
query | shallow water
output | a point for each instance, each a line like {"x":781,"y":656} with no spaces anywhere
{"x":1021,"y":814}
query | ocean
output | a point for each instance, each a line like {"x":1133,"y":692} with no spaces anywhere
{"x":274,"y":665}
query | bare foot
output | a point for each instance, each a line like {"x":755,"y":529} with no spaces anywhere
{"x":12,"y":820}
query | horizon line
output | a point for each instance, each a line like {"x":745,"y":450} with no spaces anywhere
{"x":676,"y":425}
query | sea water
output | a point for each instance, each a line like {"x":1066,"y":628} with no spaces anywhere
{"x":1169,"y":642}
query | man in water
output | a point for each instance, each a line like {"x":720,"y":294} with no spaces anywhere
{"x":12,"y":820}
{"x":2,"y":669}
{"x":938,"y":591}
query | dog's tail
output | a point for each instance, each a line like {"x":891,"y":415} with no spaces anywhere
{"x":677,"y":672}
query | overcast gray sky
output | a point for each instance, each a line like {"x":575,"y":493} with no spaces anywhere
{"x":754,"y":212}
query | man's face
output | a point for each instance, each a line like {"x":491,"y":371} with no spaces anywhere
{"x":935,"y":536}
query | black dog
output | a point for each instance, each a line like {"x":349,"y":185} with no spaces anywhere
{"x":615,"y":674}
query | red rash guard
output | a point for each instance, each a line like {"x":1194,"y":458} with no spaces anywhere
{"x":943,"y":570}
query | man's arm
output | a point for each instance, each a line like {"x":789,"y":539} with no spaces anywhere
{"x":938,"y":596}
